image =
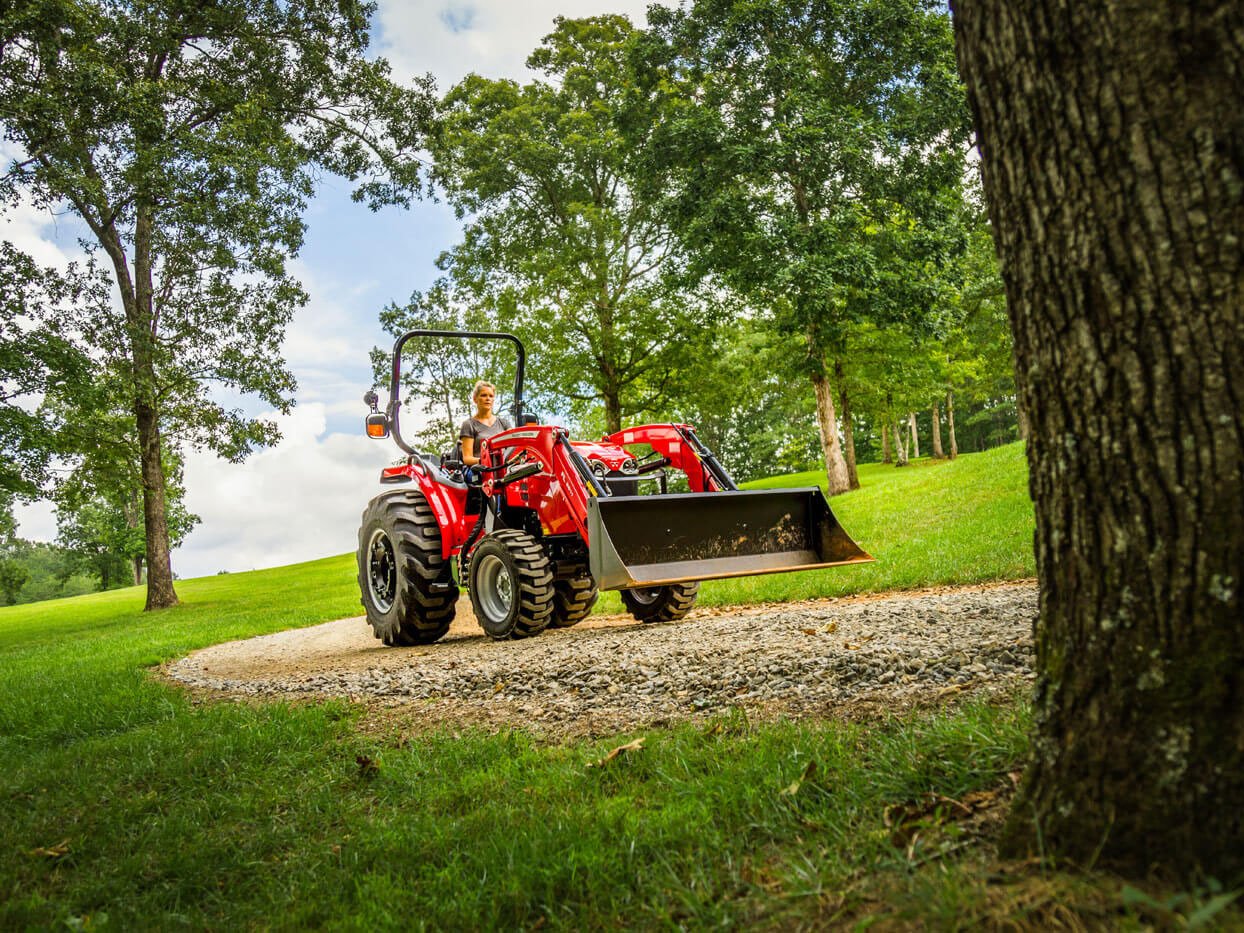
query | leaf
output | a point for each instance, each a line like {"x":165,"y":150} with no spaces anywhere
{"x":809,"y":772}
{"x":808,"y":631}
{"x":367,"y":767}
{"x":831,"y":626}
{"x":1211,"y":908}
{"x":60,"y":850}
{"x":498,"y":687}
{"x":635,"y":746}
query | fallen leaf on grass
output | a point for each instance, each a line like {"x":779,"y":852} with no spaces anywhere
{"x":808,"y":631}
{"x":831,"y":626}
{"x":367,"y":767}
{"x":809,"y":772}
{"x":498,"y":687}
{"x":635,"y":746}
{"x":60,"y":850}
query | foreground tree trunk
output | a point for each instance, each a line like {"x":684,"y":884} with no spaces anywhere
{"x":1111,"y":137}
{"x":827,"y":423}
{"x":848,"y":427}
{"x":950,"y":425}
{"x":886,"y":456}
{"x":915,"y":435}
{"x":938,"y":453}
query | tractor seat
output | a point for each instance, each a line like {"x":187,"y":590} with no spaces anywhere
{"x":436,"y":473}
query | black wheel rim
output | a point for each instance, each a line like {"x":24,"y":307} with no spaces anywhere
{"x":381,"y":571}
{"x":647,"y":596}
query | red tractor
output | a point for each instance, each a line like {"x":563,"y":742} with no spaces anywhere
{"x":544,"y":523}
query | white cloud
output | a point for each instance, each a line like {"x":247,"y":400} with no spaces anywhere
{"x":297,"y":501}
{"x":452,"y":38}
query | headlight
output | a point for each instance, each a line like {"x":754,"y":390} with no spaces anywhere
{"x":599,"y":468}
{"x":630,"y":467}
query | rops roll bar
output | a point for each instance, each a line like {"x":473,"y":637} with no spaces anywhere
{"x":393,"y":408}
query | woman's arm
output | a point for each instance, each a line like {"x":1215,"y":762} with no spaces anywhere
{"x":468,"y":451}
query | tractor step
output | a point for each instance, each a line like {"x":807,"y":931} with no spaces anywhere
{"x":637,"y":541}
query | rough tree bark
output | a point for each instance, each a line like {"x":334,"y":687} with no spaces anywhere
{"x":848,"y":427}
{"x":938,"y":453}
{"x":1112,"y":141}
{"x":827,"y":423}
{"x":915,"y":435}
{"x":886,"y":456}
{"x":950,"y":425}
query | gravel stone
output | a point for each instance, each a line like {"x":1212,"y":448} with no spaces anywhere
{"x":611,"y":674}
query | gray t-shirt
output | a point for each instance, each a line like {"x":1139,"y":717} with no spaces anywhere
{"x":477,"y":430}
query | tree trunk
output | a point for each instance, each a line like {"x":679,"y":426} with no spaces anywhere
{"x":900,"y":446}
{"x":938,"y":453}
{"x":886,"y":456}
{"x":140,"y":318}
{"x":848,"y":428}
{"x":915,"y":436}
{"x":138,"y":571}
{"x":613,"y":410}
{"x":827,"y":423}
{"x":1023,"y":423}
{"x":1111,"y":137}
{"x":950,"y":425}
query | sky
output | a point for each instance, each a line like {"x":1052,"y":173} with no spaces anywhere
{"x":302,"y":499}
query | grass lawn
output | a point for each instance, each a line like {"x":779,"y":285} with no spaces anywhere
{"x":125,"y":805}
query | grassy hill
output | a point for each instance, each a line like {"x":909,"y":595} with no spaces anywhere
{"x":127,"y":805}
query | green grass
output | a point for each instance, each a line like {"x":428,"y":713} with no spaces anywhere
{"x":126,"y":805}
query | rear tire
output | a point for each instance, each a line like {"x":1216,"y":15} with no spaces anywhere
{"x":660,"y":603}
{"x":573,"y":601}
{"x":511,"y":585}
{"x":399,"y":561}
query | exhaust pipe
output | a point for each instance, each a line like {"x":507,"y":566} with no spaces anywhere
{"x":637,"y":541}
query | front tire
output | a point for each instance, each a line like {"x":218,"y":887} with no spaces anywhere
{"x":573,"y":601}
{"x":660,"y":603}
{"x":511,"y":585}
{"x":407,"y":590}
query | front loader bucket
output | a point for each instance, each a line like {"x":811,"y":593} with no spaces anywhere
{"x":639,"y":541}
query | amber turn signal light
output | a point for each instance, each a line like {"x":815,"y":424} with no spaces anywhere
{"x":377,"y":426}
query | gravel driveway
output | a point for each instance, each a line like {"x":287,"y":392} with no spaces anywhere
{"x":607,"y":675}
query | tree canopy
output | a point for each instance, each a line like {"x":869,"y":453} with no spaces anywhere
{"x":559,"y":241}
{"x":810,"y":152}
{"x":187,"y":137}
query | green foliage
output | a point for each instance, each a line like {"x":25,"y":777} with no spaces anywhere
{"x":33,"y":571}
{"x":560,"y":245}
{"x":748,"y":408}
{"x":188,"y":137}
{"x":812,"y":153}
{"x":34,"y":360}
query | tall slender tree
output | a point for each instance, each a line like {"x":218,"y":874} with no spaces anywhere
{"x":560,"y":243}
{"x":810,"y":152}
{"x":1111,"y":136}
{"x":187,"y":136}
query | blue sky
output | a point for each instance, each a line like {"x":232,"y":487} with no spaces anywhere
{"x":302,"y":499}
